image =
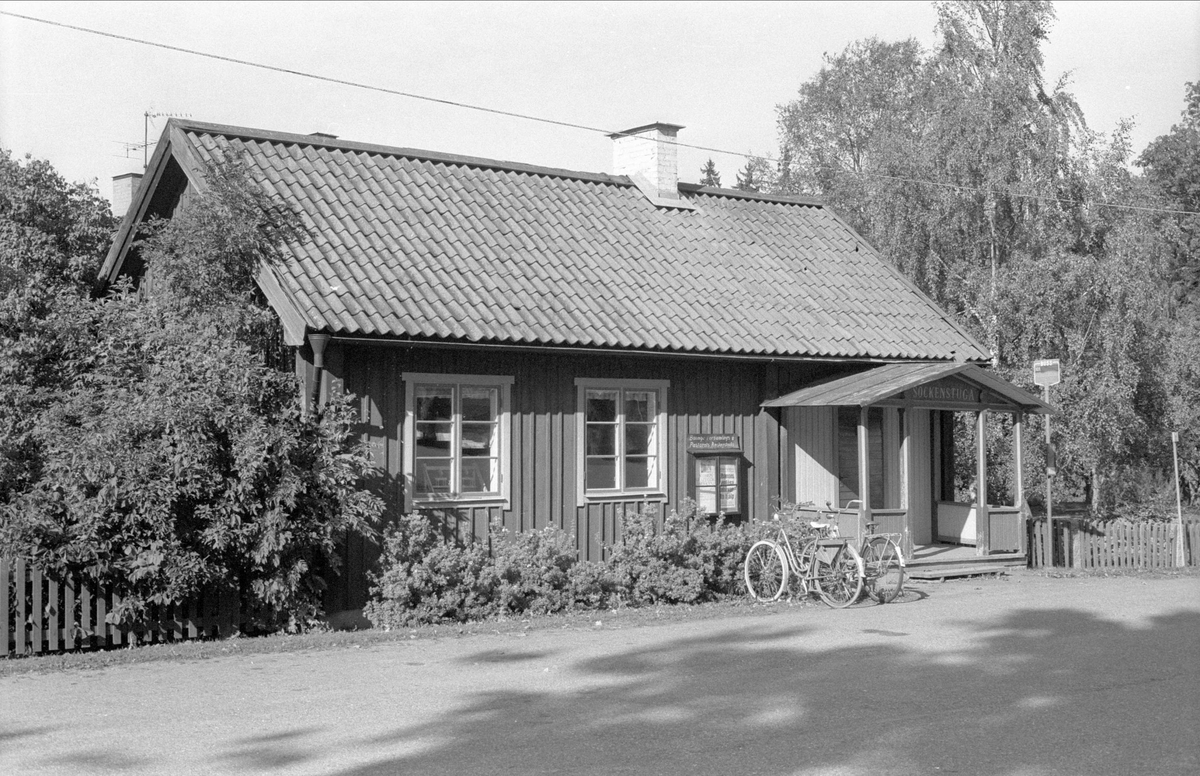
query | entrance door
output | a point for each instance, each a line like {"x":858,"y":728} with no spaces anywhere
{"x":923,"y":463}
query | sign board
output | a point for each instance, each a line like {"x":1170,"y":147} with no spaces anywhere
{"x":714,"y":443}
{"x":946,"y":393}
{"x":1047,"y":372}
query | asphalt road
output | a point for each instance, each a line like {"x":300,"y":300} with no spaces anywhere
{"x":1023,"y":677}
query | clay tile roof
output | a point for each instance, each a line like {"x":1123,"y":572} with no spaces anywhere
{"x":433,"y":246}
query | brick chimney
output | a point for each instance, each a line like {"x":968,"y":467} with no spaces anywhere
{"x":124,"y":187}
{"x":649,"y":153}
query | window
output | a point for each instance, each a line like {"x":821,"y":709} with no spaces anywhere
{"x":622,"y":437}
{"x":717,"y":487}
{"x":456,"y":438}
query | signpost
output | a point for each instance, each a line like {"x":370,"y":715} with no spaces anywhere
{"x":1180,"y":536}
{"x":1048,"y":372}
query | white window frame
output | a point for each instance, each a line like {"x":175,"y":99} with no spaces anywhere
{"x":504,"y":430}
{"x":655,"y":492}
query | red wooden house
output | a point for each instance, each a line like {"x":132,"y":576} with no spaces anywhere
{"x":549,"y":346}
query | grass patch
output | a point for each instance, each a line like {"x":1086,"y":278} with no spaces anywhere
{"x":238,"y":646}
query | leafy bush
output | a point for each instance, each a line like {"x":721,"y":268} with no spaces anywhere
{"x":425,"y":579}
{"x":689,"y":559}
{"x":533,"y":570}
{"x":653,"y":566}
{"x":593,"y":585}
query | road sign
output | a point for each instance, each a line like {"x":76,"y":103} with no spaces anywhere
{"x":1047,"y":372}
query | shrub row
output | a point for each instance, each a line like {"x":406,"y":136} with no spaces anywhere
{"x":689,"y":558}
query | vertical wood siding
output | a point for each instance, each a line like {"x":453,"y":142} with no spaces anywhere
{"x":704,"y":397}
{"x":813,"y":434}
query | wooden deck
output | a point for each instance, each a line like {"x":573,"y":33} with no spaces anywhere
{"x":942,"y":561}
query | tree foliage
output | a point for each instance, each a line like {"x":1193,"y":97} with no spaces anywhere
{"x":981,"y":180}
{"x":1172,"y":165}
{"x":167,"y":453}
{"x":756,"y":176}
{"x":53,"y":236}
{"x":709,"y":175}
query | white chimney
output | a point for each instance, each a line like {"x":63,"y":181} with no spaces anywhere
{"x":124,"y":187}
{"x":649,"y":153}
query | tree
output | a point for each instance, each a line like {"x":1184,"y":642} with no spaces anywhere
{"x":756,"y":176}
{"x":853,"y":117}
{"x":1172,"y":165}
{"x":709,"y":175}
{"x":53,"y":236}
{"x":173,"y":455}
{"x":979,"y":180}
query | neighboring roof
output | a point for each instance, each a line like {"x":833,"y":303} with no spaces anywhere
{"x":894,"y":383}
{"x":427,"y":246}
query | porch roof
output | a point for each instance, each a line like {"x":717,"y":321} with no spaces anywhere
{"x":949,"y":387}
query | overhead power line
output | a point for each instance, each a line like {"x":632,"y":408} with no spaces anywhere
{"x":566,"y":124}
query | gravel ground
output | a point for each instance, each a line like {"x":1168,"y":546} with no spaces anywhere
{"x":1031,"y":674}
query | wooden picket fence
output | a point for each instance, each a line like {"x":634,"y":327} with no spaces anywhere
{"x":1112,"y":544}
{"x":43,"y":615}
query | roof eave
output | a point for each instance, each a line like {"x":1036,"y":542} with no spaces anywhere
{"x":881,"y":386}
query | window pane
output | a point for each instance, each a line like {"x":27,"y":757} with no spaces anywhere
{"x":639,"y":439}
{"x":602,"y":406}
{"x":478,"y":439}
{"x":638,"y":472}
{"x":706,"y":499}
{"x":432,"y":477}
{"x":479,"y":402}
{"x":479,"y":475}
{"x":729,"y":499}
{"x":706,"y":472}
{"x":601,"y":440}
{"x":639,"y":406}
{"x":433,"y":440}
{"x":601,"y":473}
{"x":434,"y":402}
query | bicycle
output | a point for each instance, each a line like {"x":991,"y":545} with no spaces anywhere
{"x":883,"y":562}
{"x":827,"y":565}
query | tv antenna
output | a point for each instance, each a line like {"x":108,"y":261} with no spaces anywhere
{"x":146,"y":131}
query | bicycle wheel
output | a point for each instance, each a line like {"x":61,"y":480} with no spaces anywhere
{"x":839,"y":582}
{"x":884,"y":569}
{"x":766,"y":571}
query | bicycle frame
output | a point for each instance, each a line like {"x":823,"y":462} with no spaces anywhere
{"x":880,"y":549}
{"x":866,"y":534}
{"x":827,"y":539}
{"x":828,"y":565}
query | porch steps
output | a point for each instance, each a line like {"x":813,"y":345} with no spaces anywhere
{"x":961,"y":567}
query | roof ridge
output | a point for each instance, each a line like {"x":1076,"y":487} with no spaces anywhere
{"x":716,"y":191}
{"x":326,"y":141}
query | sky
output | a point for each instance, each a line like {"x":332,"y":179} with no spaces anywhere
{"x":720,"y":69}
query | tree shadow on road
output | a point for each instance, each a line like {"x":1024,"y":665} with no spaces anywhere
{"x":1040,"y":691}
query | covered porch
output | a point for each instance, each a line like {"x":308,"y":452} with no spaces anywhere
{"x":879,"y":446}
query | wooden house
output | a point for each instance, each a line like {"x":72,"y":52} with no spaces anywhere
{"x":551,"y":347}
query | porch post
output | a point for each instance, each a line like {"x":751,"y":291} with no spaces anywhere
{"x":1019,"y":478}
{"x":982,"y":521}
{"x":906,"y":478}
{"x":864,"y":469}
